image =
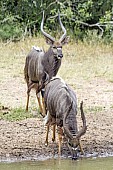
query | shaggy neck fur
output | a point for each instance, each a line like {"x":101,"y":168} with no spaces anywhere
{"x":51,"y":63}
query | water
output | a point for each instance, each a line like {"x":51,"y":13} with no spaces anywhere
{"x":63,"y":164}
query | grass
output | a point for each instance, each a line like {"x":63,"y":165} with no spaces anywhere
{"x":14,"y":114}
{"x":94,"y":109}
{"x":81,"y":63}
{"x":112,"y":107}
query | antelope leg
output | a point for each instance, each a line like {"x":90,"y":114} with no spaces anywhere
{"x":54,"y":129}
{"x":40,"y":105}
{"x":60,"y":139}
{"x":27,"y":102}
{"x":44,"y":107}
{"x":30,"y":86}
{"x":47,"y":132}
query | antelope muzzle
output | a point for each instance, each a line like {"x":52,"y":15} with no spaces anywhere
{"x":73,"y":147}
{"x":59,"y":53}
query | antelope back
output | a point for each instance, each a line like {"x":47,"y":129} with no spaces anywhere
{"x":33,"y":65}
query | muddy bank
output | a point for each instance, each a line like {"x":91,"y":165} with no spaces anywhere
{"x":25,"y":139}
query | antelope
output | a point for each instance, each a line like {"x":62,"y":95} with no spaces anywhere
{"x":61,"y":103}
{"x":41,"y":66}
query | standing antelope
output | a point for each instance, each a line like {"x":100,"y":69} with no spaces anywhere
{"x":41,"y":66}
{"x":61,"y":104}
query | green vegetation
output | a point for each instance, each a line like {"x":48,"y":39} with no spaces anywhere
{"x":14,"y":114}
{"x":82,"y":19}
{"x":95,"y":109}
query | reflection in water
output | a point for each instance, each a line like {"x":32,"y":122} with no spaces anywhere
{"x":63,"y":164}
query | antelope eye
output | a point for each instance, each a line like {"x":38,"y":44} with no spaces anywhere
{"x":54,"y":47}
{"x":70,"y":144}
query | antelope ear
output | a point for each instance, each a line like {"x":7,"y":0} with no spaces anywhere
{"x":65,"y":40}
{"x":49,"y":41}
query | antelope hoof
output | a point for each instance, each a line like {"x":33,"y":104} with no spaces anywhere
{"x":46,"y":143}
{"x":82,"y":152}
{"x":53,"y":140}
{"x":26,"y":109}
{"x":42,"y":114}
{"x":59,"y":155}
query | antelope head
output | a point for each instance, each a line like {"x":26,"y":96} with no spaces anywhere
{"x":73,"y":141}
{"x":56,"y":46}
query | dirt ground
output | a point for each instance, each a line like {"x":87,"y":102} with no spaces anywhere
{"x":25,"y":139}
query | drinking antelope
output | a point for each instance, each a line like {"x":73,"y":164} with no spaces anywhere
{"x":61,"y":103}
